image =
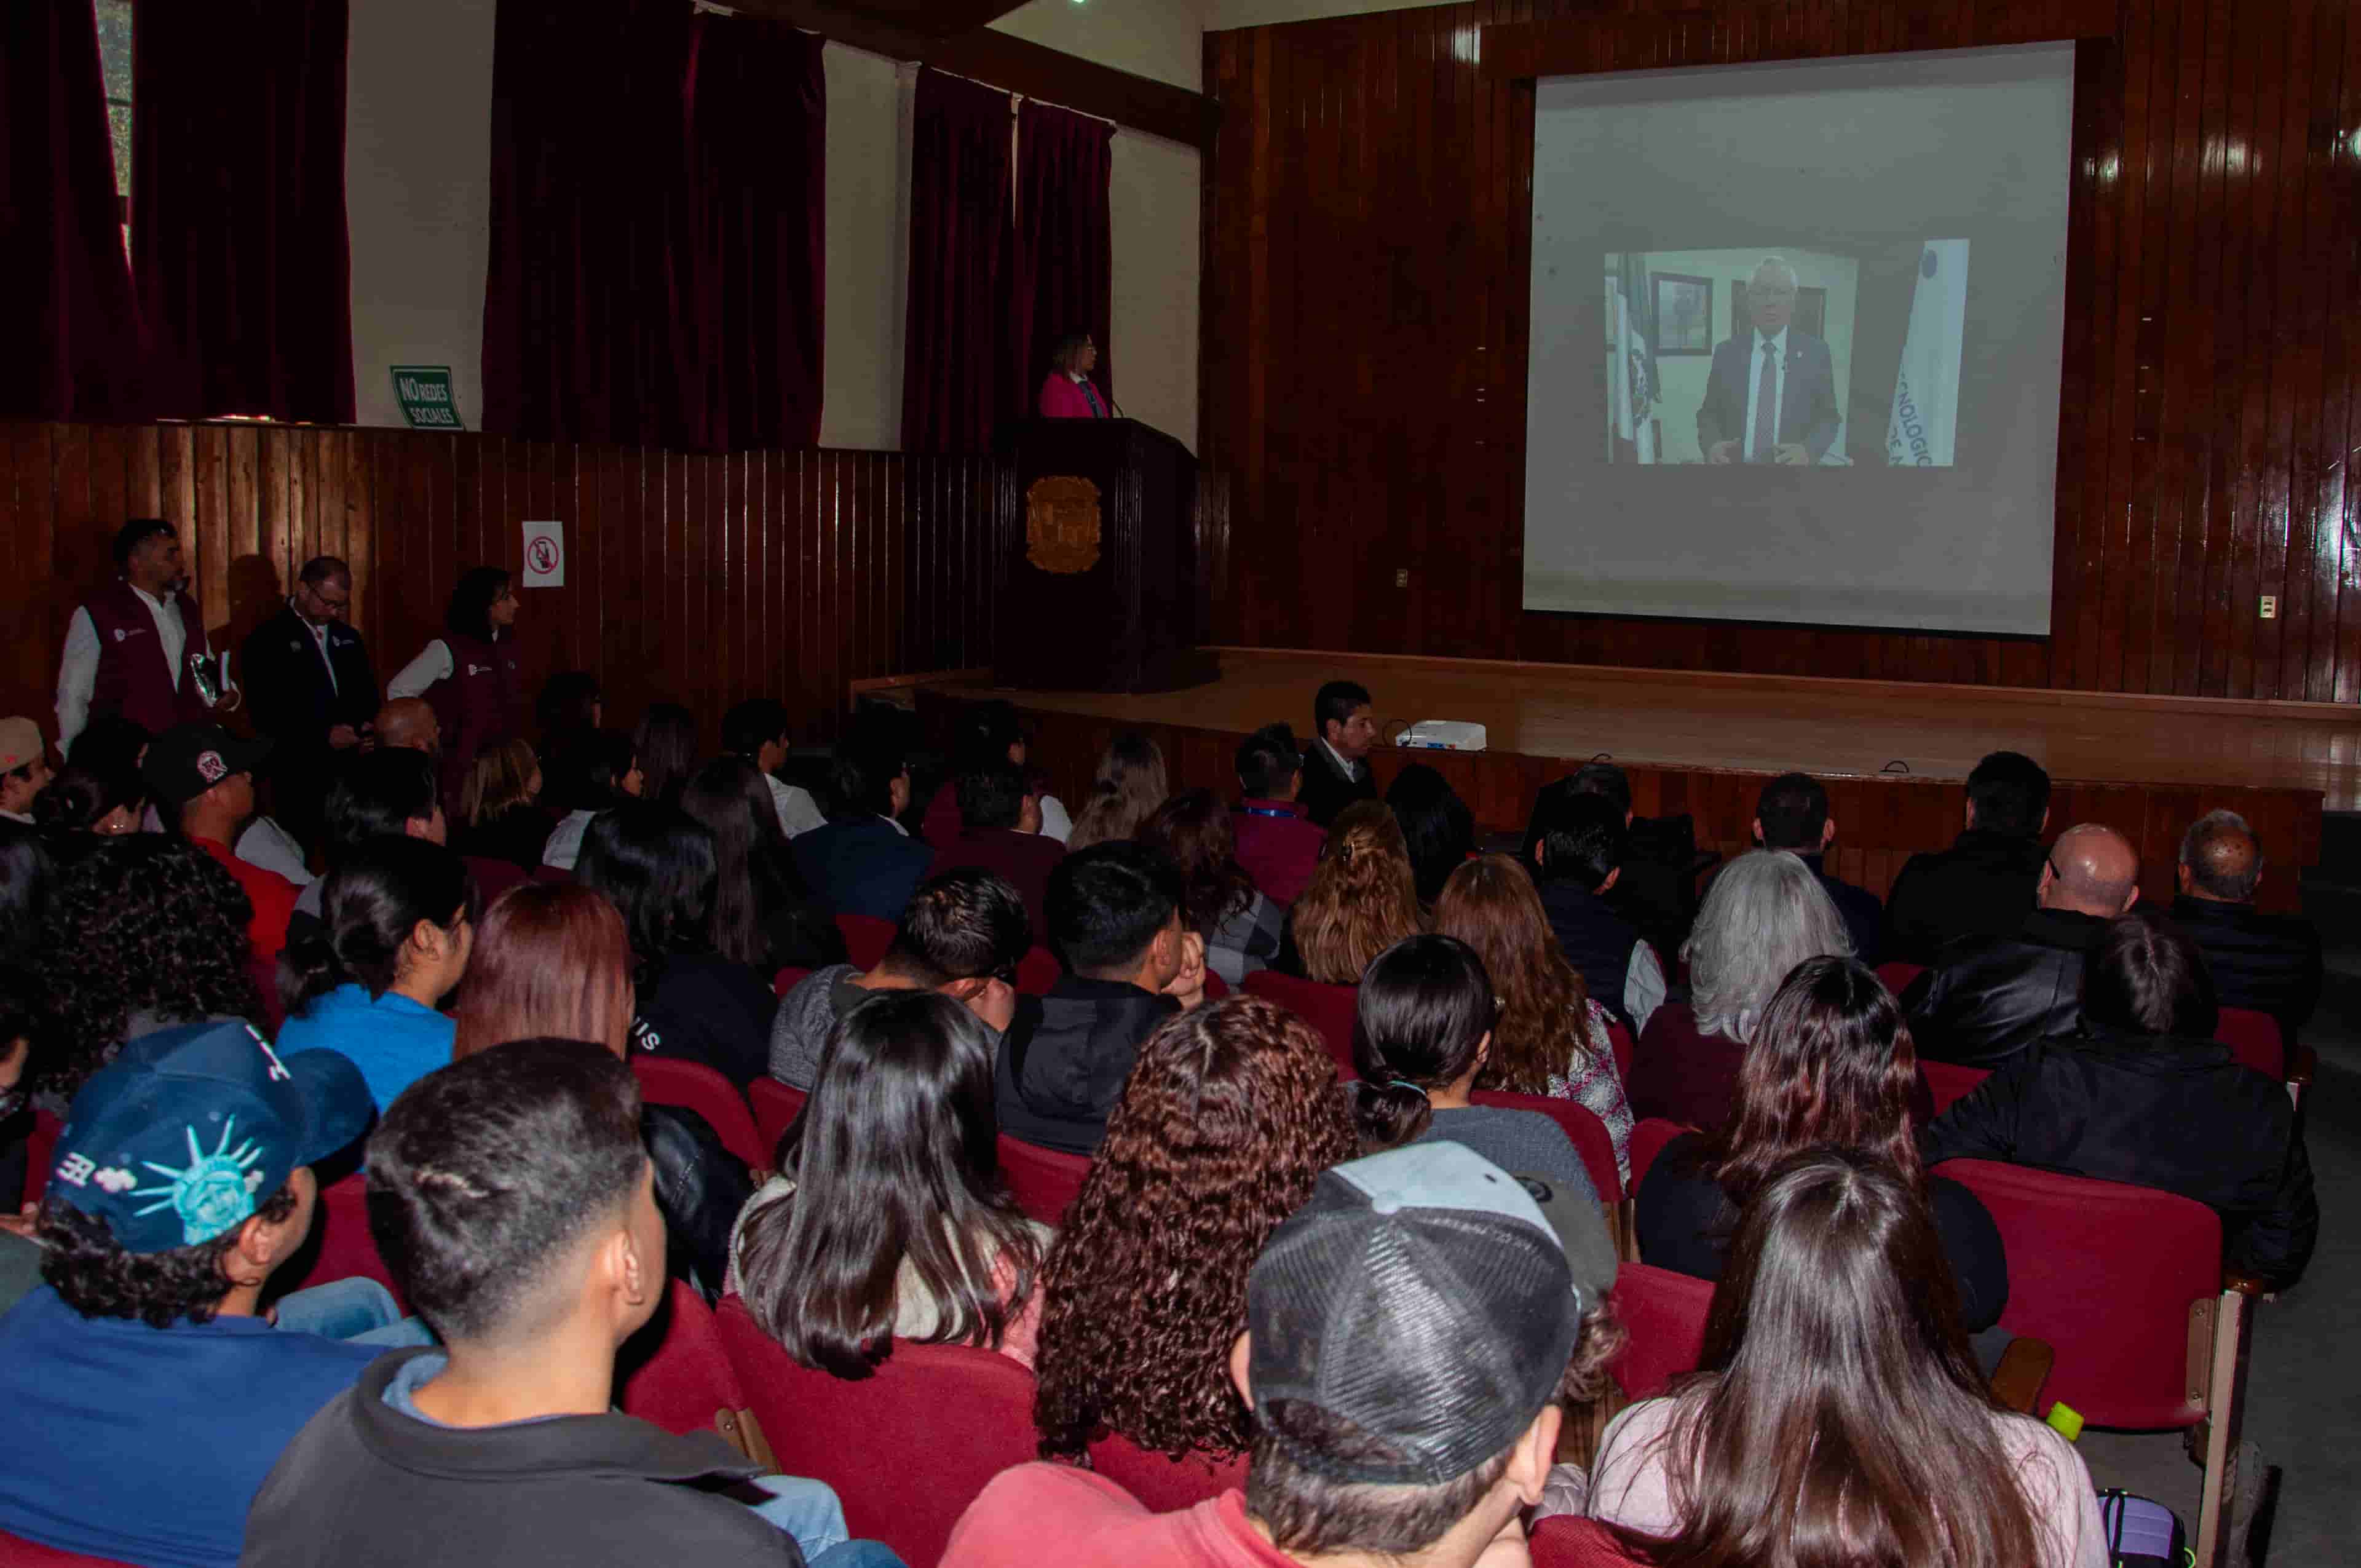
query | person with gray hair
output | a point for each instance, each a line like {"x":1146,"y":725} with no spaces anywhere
{"x":2269,"y":962}
{"x":311,"y":688}
{"x":1771,"y":396}
{"x":1764,"y":914}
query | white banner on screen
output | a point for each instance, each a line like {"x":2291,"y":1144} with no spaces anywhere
{"x":1925,"y":425}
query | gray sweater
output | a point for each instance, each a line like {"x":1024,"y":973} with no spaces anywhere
{"x":1523,"y":1142}
{"x":799,"y":1029}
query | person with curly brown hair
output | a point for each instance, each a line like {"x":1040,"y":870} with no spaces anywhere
{"x":144,"y":932}
{"x":1411,"y":1334}
{"x":1229,"y":1117}
{"x":1241,"y":927}
{"x":1362,"y":900}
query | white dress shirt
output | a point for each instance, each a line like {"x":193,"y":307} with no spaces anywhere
{"x":1754,"y":385}
{"x":433,"y":664}
{"x":320,"y":643}
{"x":78,"y":669}
{"x":798,"y":813}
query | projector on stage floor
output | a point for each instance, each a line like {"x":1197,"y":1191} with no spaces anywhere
{"x":1443,"y":735}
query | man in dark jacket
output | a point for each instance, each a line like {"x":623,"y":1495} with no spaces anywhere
{"x":1989,"y":997}
{"x":2141,"y":1095}
{"x":865,"y":862}
{"x":1114,"y":922}
{"x":1336,"y":766}
{"x":2269,"y":962}
{"x":1792,"y":814}
{"x":1578,"y":840}
{"x":1984,"y":884}
{"x":514,"y":1200}
{"x":309,"y":688}
{"x":1000,"y":830}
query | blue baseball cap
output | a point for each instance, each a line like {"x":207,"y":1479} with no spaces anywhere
{"x":182,"y":1136}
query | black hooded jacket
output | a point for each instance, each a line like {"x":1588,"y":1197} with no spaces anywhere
{"x":1062,"y":1064}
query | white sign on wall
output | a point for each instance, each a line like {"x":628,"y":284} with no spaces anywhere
{"x":545,"y":555}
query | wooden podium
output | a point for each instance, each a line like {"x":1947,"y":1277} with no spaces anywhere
{"x":1101,"y":576}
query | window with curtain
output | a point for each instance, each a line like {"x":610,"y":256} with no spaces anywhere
{"x":958,"y":381}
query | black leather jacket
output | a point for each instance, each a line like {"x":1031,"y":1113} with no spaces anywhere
{"x":700,"y":1187}
{"x":1981,"y":886}
{"x":1989,"y":997}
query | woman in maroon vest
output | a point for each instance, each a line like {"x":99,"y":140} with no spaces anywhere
{"x":469,"y":675}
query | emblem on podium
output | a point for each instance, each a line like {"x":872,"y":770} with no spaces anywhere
{"x":1061,"y":524}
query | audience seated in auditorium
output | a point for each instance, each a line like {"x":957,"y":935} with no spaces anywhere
{"x":1241,"y":928}
{"x":888,"y":1218}
{"x":152,"y":1393}
{"x":29,"y":869}
{"x":1438,"y":829}
{"x":863,"y":861}
{"x":1886,"y":1441}
{"x":1000,"y":831}
{"x":1792,"y":814}
{"x":20,"y":1024}
{"x":1336,"y":769}
{"x":757,"y":732}
{"x":1577,"y":843}
{"x":693,"y":1002}
{"x":1225,"y":1125}
{"x":987,"y":734}
{"x":1130,"y":782}
{"x":407,"y":724}
{"x":1831,"y":1064}
{"x":2142,"y":1093}
{"x":1989,"y":997}
{"x":1411,"y":1332}
{"x":590,"y":770}
{"x":499,"y":806}
{"x":2269,"y":962}
{"x":761,"y":914}
{"x":1117,"y":925}
{"x":1278,"y":846}
{"x":963,"y":934}
{"x":83,"y":806}
{"x":513,"y":1201}
{"x":1984,"y":884}
{"x":24,"y":768}
{"x":396,"y":927}
{"x":143,"y":933}
{"x":468,"y":675}
{"x":1423,"y":1034}
{"x":371,"y":795}
{"x":1550,"y":1034}
{"x":1764,"y":914}
{"x":202,"y":779}
{"x":665,"y":743}
{"x":1361,"y":900}
{"x":552,"y":960}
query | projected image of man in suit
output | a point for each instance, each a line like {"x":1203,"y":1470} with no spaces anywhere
{"x":1772,"y":394}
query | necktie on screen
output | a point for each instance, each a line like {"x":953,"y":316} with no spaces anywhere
{"x":1766,"y":404}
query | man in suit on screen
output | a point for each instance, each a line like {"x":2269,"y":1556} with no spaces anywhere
{"x":1773,"y":395}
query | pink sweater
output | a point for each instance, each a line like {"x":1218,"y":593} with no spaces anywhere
{"x":1061,"y":397}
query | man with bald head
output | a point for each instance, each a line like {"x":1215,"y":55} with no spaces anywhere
{"x":1989,"y":997}
{"x":2269,"y":962}
{"x":408,"y":723}
{"x":1772,"y":397}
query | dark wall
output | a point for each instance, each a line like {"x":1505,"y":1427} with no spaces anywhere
{"x":1366,"y":215}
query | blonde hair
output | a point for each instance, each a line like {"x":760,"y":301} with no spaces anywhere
{"x":1129,"y":784}
{"x":497,"y":781}
{"x":1545,"y":1021}
{"x":1361,"y":900}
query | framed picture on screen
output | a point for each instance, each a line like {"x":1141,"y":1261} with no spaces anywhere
{"x":1684,"y":313}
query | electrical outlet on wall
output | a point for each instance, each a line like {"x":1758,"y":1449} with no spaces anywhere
{"x":2270,"y":607}
{"x":1401,"y":577}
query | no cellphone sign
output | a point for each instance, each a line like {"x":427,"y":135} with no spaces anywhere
{"x":545,"y":555}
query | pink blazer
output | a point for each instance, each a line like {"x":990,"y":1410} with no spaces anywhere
{"x":1061,"y":399}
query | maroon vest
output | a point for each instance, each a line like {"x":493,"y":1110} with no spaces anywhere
{"x":476,"y":704}
{"x":133,"y":678}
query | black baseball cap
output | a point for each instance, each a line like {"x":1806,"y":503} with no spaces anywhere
{"x":190,"y":759}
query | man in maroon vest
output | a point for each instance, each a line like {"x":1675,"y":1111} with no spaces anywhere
{"x":128,"y":648}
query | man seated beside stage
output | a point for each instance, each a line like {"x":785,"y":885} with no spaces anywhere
{"x":2269,"y":962}
{"x":1000,"y":831}
{"x":1277,"y":845}
{"x":1577,"y":855}
{"x":1989,"y":997}
{"x":1335,"y":768}
{"x":1117,"y":925}
{"x":1792,"y":814}
{"x":1984,"y":884}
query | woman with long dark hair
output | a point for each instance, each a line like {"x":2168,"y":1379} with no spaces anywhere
{"x":1241,"y":927}
{"x":589,"y":772}
{"x":469,"y":675}
{"x":1421,"y":1039}
{"x":657,"y":864}
{"x":762,"y":916}
{"x":396,"y":917}
{"x":1362,"y":898}
{"x":1840,"y":1416}
{"x":1831,"y":1066}
{"x":888,"y":1219}
{"x":1438,"y":829}
{"x":1230,"y":1115}
{"x":665,"y":742}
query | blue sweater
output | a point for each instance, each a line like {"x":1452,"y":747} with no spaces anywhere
{"x":393,"y":1040}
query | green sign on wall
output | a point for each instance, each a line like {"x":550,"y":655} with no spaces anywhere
{"x":424,"y":393}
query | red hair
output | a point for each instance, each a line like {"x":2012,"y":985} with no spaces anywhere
{"x":550,"y":960}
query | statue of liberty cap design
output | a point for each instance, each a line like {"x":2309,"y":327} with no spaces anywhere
{"x":213,"y":1192}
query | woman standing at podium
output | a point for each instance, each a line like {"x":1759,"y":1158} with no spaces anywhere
{"x":1069,"y":392}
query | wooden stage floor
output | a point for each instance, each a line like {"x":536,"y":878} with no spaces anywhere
{"x":1703,"y":742}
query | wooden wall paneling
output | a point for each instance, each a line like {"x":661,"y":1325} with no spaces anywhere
{"x":2336,"y":548}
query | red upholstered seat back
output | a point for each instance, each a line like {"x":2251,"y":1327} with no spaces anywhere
{"x":1898,"y":974}
{"x":1037,"y":970}
{"x":675,"y":1372}
{"x":1330,"y":1009}
{"x":788,"y":979}
{"x":1583,"y":1129}
{"x":693,"y":1086}
{"x":2105,"y":1273}
{"x":2254,"y":1039}
{"x":1947,"y":1083}
{"x":866,"y":938}
{"x":265,"y":973}
{"x":1163,"y":1484}
{"x":1649,"y":1137}
{"x":775,"y":1107}
{"x":907,"y":1448}
{"x":1618,"y":1044}
{"x":1665,"y":1314}
{"x":1044,"y":1182}
{"x":341,"y":1231}
{"x":18,"y":1552}
{"x":40,"y":1152}
{"x":1564,"y":1541}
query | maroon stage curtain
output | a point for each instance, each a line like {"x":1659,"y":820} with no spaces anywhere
{"x":956,"y":346}
{"x":758,"y":116}
{"x":66,"y":312}
{"x":238,"y":246}
{"x":1065,"y":252}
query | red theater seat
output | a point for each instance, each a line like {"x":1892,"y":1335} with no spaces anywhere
{"x":1164,"y":1485}
{"x":693,"y":1086}
{"x":775,"y":1107}
{"x":1564,"y":1540}
{"x":1649,"y":1137}
{"x":866,"y":938}
{"x":1330,"y":1009}
{"x":1665,"y":1314}
{"x":1947,"y":1083}
{"x":675,"y":1373}
{"x":1045,"y":1182}
{"x":1588,"y":1135}
{"x":16,"y":1551}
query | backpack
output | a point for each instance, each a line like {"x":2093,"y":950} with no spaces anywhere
{"x":2141,"y":1533}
